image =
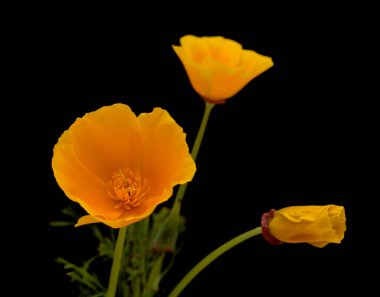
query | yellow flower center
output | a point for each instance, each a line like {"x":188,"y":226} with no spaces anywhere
{"x":127,"y":188}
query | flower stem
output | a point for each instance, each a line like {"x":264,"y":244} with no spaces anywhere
{"x":117,"y":256}
{"x":195,"y":149}
{"x":201,"y":131}
{"x":210,"y":258}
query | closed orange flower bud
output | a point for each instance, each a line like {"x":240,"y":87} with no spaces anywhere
{"x":218,"y":67}
{"x":118,"y":166}
{"x":316,"y":225}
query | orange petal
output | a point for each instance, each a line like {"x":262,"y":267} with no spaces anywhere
{"x":320,"y":244}
{"x":105,"y":140}
{"x":222,"y":49}
{"x":86,"y":220}
{"x":309,"y":224}
{"x":226,"y":82}
{"x":145,"y":209}
{"x":194,"y":49}
{"x":200,"y":77}
{"x":300,"y":214}
{"x":126,"y":221}
{"x":165,"y":159}
{"x":80,"y":184}
{"x":254,"y":64}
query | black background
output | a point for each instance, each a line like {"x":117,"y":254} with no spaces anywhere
{"x":292,"y":136}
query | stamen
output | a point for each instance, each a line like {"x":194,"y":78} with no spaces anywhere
{"x":127,"y":188}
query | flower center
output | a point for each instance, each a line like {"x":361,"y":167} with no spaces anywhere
{"x":127,"y":188}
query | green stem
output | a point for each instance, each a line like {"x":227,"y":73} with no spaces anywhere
{"x":194,"y":151}
{"x":201,"y":131}
{"x":114,"y":276}
{"x":211,"y":257}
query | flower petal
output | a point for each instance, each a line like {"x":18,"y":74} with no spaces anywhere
{"x":338,"y":220}
{"x":133,"y":215}
{"x":86,"y":220}
{"x":80,"y":184}
{"x":200,"y":77}
{"x":299,"y":214}
{"x":194,"y":49}
{"x":311,"y":224}
{"x":221,"y":49}
{"x":319,"y":244}
{"x":225,"y":82}
{"x":105,"y":140}
{"x":254,"y":64}
{"x":165,"y":159}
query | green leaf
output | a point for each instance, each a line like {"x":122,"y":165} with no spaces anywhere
{"x":61,"y":223}
{"x":81,"y":275}
{"x":167,"y":233}
{"x":69,"y":211}
{"x":101,"y":294}
{"x":155,"y":273}
{"x":106,"y":248}
{"x":96,"y":231}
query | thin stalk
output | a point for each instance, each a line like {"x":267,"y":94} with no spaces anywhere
{"x":194,"y":151}
{"x":210,"y":258}
{"x":115,"y":269}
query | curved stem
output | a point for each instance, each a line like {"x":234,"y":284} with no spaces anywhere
{"x":211,"y":257}
{"x":114,"y":276}
{"x":194,"y":151}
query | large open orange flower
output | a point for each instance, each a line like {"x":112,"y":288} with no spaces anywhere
{"x":219,"y":67}
{"x":118,"y":166}
{"x":317,"y":225}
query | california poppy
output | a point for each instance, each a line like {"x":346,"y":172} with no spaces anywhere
{"x":316,"y":225}
{"x":219,"y":67}
{"x":118,"y":166}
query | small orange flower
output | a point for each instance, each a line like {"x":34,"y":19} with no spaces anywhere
{"x":118,"y":166}
{"x":316,"y":225}
{"x":218,"y":67}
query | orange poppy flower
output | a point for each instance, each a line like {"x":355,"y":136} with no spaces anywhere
{"x":218,"y":67}
{"x":118,"y":166}
{"x":316,"y":225}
